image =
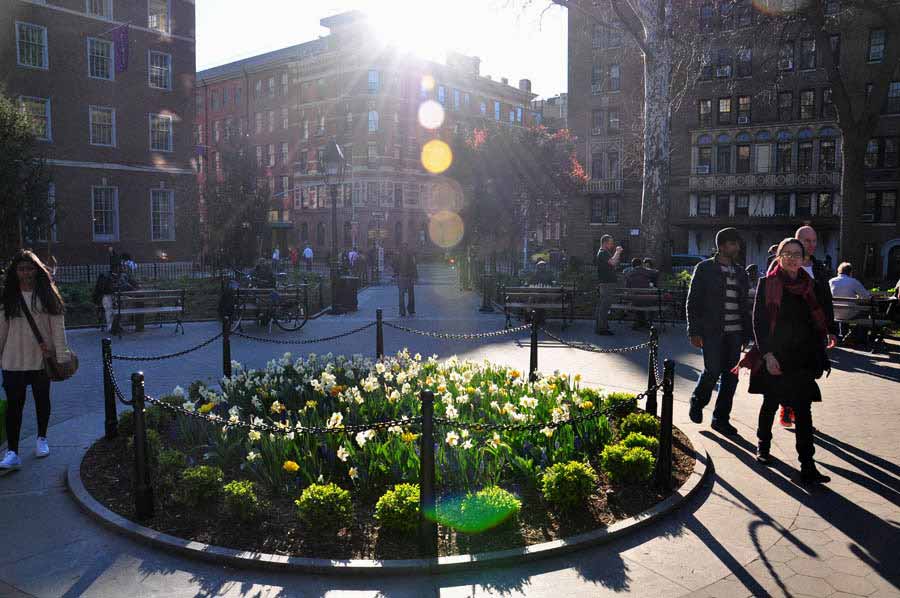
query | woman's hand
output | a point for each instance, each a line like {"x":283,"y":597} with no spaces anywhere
{"x":832,"y":342}
{"x":45,"y":350}
{"x":772,"y":365}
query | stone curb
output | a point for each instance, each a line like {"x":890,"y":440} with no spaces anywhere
{"x":249,"y":560}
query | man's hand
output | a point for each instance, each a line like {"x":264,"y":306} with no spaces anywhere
{"x":697,"y":341}
{"x":772,"y":365}
{"x":619,"y":249}
{"x":45,"y":350}
{"x":832,"y":342}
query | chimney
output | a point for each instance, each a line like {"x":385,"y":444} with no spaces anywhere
{"x":504,"y":80}
{"x":525,"y":85}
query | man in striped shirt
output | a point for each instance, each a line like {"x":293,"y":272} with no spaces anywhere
{"x":718,"y":314}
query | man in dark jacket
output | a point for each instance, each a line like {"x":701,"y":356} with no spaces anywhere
{"x":719,"y":323}
{"x":407,"y":274}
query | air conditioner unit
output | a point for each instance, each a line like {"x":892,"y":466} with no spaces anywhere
{"x":704,"y":169}
{"x":868,"y":217}
{"x":743,"y":120}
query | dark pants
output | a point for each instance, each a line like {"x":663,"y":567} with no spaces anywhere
{"x":802,"y":427}
{"x":407,"y":286}
{"x":720,"y":354}
{"x":15,"y":385}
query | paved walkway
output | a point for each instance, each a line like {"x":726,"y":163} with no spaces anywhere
{"x":751,"y":532}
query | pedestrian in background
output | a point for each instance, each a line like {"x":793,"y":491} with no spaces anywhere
{"x":308,"y":257}
{"x":608,"y":257}
{"x":407,"y":274}
{"x":28,"y":286}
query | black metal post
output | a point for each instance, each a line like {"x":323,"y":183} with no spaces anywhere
{"x":143,"y":491}
{"x":485,"y":298}
{"x":428,"y":538}
{"x":379,"y":334}
{"x":111,"y":419}
{"x":664,"y":459}
{"x":652,"y":357}
{"x":533,"y":362}
{"x":226,"y":346}
{"x":322,"y":293}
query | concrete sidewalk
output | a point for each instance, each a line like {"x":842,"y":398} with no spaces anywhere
{"x":750,"y":532}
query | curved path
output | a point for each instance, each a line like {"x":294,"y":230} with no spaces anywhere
{"x":750,"y":532}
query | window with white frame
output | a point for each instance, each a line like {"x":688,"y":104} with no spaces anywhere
{"x":158,"y":15}
{"x":373,"y":120}
{"x":99,"y":8}
{"x":284,"y":118}
{"x":284,"y":152}
{"x":102,"y":122}
{"x":160,"y":70}
{"x":271,"y":120}
{"x":259,"y":155}
{"x":31,"y":45}
{"x":162,"y":215}
{"x":271,"y":87}
{"x":161,"y":132}
{"x":271,"y":155}
{"x":100,"y":58}
{"x":105,"y":213}
{"x":374,"y":81}
{"x":284,"y":84}
{"x":38,"y":112}
{"x":259,"y":122}
{"x":48,"y":228}
{"x":496,"y":110}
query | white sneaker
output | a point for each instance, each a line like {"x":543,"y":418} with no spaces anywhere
{"x":10,"y":461}
{"x":42,"y":449}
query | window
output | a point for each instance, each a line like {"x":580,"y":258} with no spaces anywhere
{"x":723,"y":63}
{"x":723,"y":204}
{"x":160,"y":133}
{"x":877,"y":39}
{"x":482,"y":107}
{"x":807,"y":53}
{"x":742,"y":163}
{"x":306,"y":129}
{"x":723,"y":158}
{"x":456,"y":99}
{"x":496,"y":110}
{"x":832,"y":7}
{"x":374,"y":81}
{"x":158,"y":15}
{"x":835,"y":42}
{"x":371,"y":153}
{"x":237,"y":96}
{"x":398,"y":195}
{"x":786,"y":57}
{"x":890,"y":152}
{"x":612,"y":120}
{"x":805,"y":156}
{"x":198,"y":102}
{"x":597,"y":166}
{"x":783,"y":156}
{"x":724,"y":116}
{"x":726,"y":16}
{"x":704,"y":113}
{"x":596,"y":77}
{"x":824,"y":204}
{"x":704,"y":159}
{"x":742,"y":205}
{"x":100,"y":58}
{"x":827,"y":155}
{"x":270,"y":120}
{"x":373,"y":121}
{"x":259,"y":155}
{"x":320,"y":233}
{"x":102,"y":123}
{"x":271,"y":87}
{"x":105,"y":213}
{"x":284,"y":152}
{"x":783,"y":204}
{"x":785,"y":105}
{"x":38,"y":112}
{"x":893,"y":98}
{"x":612,"y":210}
{"x":707,"y":13}
{"x":99,"y":8}
{"x":466,"y":99}
{"x":224,"y":97}
{"x":31,"y":45}
{"x":270,"y":155}
{"x":257,"y":89}
{"x":612,"y":160}
{"x":807,"y":104}
{"x":706,"y":67}
{"x":512,"y":116}
{"x":258,"y":118}
{"x":160,"y":70}
{"x":614,"y":77}
{"x":442,"y":95}
{"x":873,"y":152}
{"x":597,"y":36}
{"x":744,"y":108}
{"x":519,"y":114}
{"x":284,"y":118}
{"x":804,"y":204}
{"x":284,"y":84}
{"x":604,"y":209}
{"x":827,"y":103}
{"x":745,"y":62}
{"x":213,"y":100}
{"x":763,"y":158}
{"x":162,"y":215}
{"x":704,"y":205}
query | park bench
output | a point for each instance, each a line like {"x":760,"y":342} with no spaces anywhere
{"x":864,"y":313}
{"x":549,"y":301}
{"x":165,"y":304}
{"x":657,"y":304}
{"x":285,"y":306}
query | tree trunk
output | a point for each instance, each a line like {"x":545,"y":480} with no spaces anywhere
{"x":852,"y":243}
{"x":656,"y":197}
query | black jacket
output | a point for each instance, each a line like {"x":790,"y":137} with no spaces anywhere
{"x":706,"y":300}
{"x":821,"y":276}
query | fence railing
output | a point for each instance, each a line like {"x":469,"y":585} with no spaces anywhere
{"x":428,"y":538}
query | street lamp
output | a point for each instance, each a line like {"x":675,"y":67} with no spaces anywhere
{"x":334,"y":172}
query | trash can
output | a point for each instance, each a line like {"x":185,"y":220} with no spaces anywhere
{"x":345,"y":294}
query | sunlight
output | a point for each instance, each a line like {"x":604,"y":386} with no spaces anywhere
{"x":426,"y":28}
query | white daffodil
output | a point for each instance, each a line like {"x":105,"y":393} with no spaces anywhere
{"x":252,"y":456}
{"x":254,"y":435}
{"x":178,"y":391}
{"x":343,"y":454}
{"x":547,"y":431}
{"x":452,"y":438}
{"x":336,"y":420}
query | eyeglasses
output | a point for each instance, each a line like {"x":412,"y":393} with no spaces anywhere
{"x":793,"y":256}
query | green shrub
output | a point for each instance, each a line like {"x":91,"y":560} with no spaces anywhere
{"x":170,"y":463}
{"x":398,"y":508}
{"x":155,"y":418}
{"x":636,"y":439}
{"x":627,"y":465}
{"x":241,"y":501}
{"x":201,"y":485}
{"x":325,"y":507}
{"x":568,"y":485}
{"x":488,"y":508}
{"x":643,"y":423}
{"x":620,"y":404}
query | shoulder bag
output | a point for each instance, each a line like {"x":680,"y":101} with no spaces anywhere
{"x":56,"y":370}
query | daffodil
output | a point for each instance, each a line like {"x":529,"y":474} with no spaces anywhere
{"x":290,"y":466}
{"x":254,"y":435}
{"x":342,"y":454}
{"x":353,"y":473}
{"x":452,"y":438}
{"x":206,"y":407}
{"x":547,"y":431}
{"x":252,"y":456}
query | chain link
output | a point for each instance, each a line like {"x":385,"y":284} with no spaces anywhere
{"x":594,"y":348}
{"x":168,"y":356}
{"x":304,"y":341}
{"x":461,"y":337}
{"x":107,"y":365}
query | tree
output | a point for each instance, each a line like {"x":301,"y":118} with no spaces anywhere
{"x":513,"y":179}
{"x":27,"y":212}
{"x":237,"y":203}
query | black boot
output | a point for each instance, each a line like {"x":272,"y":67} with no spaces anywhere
{"x":810,"y":475}
{"x":762,"y":453}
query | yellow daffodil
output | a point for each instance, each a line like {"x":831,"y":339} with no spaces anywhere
{"x":290,"y":466}
{"x":254,"y":435}
{"x":206,"y":408}
{"x":409,"y":437}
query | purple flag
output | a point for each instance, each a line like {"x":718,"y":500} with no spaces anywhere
{"x":120,"y":40}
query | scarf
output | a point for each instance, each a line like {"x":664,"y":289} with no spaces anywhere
{"x":778,"y":282}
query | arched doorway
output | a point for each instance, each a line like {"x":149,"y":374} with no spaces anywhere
{"x":891,"y":253}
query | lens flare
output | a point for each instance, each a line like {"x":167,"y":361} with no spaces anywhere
{"x":445,"y":229}
{"x":427,"y":83}
{"x":436,"y":156}
{"x":450,"y":513}
{"x":431,"y":114}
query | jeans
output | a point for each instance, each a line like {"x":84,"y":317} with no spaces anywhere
{"x":606,"y":292}
{"x":16,"y":383}
{"x":720,"y":354}
{"x":802,"y":427}
{"x":407,"y":286}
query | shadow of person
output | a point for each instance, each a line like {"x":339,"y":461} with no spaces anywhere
{"x":854,"y":455}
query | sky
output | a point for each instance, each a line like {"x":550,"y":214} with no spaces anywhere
{"x":516,"y":39}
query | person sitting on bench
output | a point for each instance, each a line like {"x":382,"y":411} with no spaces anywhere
{"x":845,"y":286}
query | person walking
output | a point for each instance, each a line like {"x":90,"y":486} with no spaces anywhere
{"x":718,"y":315}
{"x":791,"y":330}
{"x":28,"y":286}
{"x":407,"y":273}
{"x":608,"y":257}
{"x":308,"y":257}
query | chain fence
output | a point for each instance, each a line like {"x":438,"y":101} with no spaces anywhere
{"x":307,"y":341}
{"x":473,"y":336}
{"x":168,"y":355}
{"x":595,"y":349}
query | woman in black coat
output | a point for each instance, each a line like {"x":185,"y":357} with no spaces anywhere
{"x":791,"y":337}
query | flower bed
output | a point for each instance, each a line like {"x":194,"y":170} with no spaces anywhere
{"x":310,"y":477}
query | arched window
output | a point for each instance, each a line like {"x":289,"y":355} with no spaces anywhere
{"x":827,"y":132}
{"x":742,"y":137}
{"x":783,"y":136}
{"x":723,"y":154}
{"x":723,"y":138}
{"x":763,"y":136}
{"x":704,"y":140}
{"x":805,"y":134}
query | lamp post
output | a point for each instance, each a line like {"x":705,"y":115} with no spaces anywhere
{"x":334,"y":172}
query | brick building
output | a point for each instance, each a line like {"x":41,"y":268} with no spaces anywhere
{"x":109,"y":87}
{"x":755,"y":138}
{"x":287,"y":104}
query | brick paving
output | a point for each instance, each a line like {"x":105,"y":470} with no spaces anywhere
{"x":750,"y":532}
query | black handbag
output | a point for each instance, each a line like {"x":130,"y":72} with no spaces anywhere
{"x":56,"y":370}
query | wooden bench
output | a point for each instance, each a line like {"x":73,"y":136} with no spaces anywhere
{"x":555,"y":301}
{"x":864,"y":313}
{"x":657,"y":304}
{"x":146,"y":302}
{"x":263,"y":304}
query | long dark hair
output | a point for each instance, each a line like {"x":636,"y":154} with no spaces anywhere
{"x":44,"y":288}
